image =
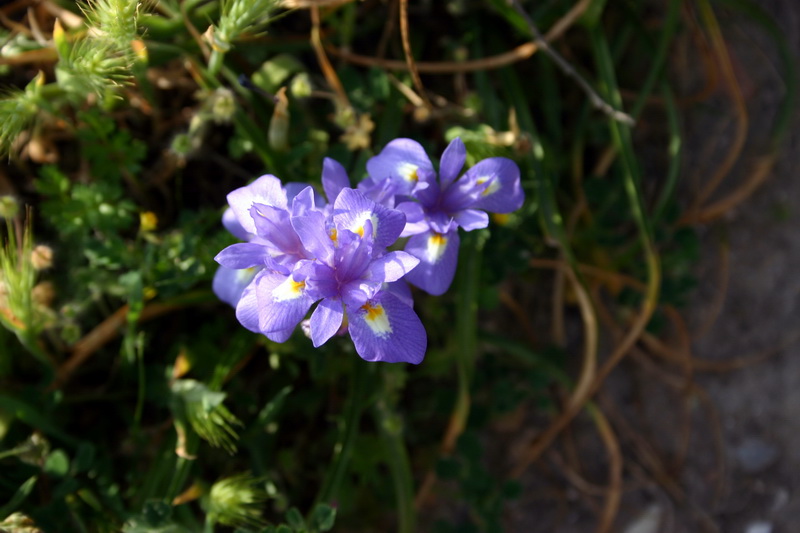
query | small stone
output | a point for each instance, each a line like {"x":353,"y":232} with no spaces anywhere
{"x":755,"y":454}
{"x":649,"y":521}
{"x":759,"y":527}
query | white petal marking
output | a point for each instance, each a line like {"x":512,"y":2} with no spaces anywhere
{"x":408,"y":171}
{"x":288,"y":290}
{"x":437,"y":244}
{"x":377,"y":320}
{"x":494,"y":185}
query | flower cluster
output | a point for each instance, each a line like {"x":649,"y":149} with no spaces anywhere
{"x":301,"y":249}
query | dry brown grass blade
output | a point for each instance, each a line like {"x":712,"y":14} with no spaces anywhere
{"x":614,"y":493}
{"x":695,"y":390}
{"x":543,"y":441}
{"x":324,"y":63}
{"x":717,"y":303}
{"x":412,"y":65}
{"x":757,"y":177}
{"x":520,"y":53}
{"x":42,"y":55}
{"x":519,"y":313}
{"x":740,"y":108}
{"x":102,"y":334}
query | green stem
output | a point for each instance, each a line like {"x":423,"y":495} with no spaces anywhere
{"x":399,"y":465}
{"x":347,"y":435}
{"x":467,"y":335}
{"x":659,"y":58}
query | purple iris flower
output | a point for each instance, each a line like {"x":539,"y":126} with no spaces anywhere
{"x":435,"y":209}
{"x":299,"y":254}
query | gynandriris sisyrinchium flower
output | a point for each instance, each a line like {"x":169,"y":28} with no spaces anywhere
{"x":302,"y":251}
{"x":435,"y":209}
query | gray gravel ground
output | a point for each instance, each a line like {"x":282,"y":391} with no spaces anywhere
{"x":758,"y":407}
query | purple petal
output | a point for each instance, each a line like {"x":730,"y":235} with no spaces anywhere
{"x":401,"y":291}
{"x":326,"y":321}
{"x":293,"y":188}
{"x":452,"y":162}
{"x":304,"y":202}
{"x":352,"y":209}
{"x":471,"y":219}
{"x":379,"y":191}
{"x":415,"y":218}
{"x":282,"y":302}
{"x":428,"y":191}
{"x":275,"y":232}
{"x":438,"y":255}
{"x":247,"y":308}
{"x":265,"y":190}
{"x":391,"y":267}
{"x":231,"y":224}
{"x":399,"y":160}
{"x":386,"y":329}
{"x":280,"y":336}
{"x":229,"y":284}
{"x":353,"y":253}
{"x":499,"y":177}
{"x":243,"y":255}
{"x":334,"y":178}
{"x":315,"y":234}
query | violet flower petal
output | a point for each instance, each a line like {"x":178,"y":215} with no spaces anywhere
{"x":282,"y":301}
{"x":352,"y":210}
{"x":326,"y":320}
{"x":500,"y":179}
{"x":416,"y":221}
{"x":231,"y":224}
{"x":471,"y":219}
{"x":453,"y":159}
{"x":315,"y":236}
{"x":391,"y":267}
{"x":247,"y":308}
{"x":400,"y":160}
{"x":438,"y":255}
{"x":229,"y":284}
{"x":243,"y":255}
{"x":385,"y":329}
{"x":334,"y":178}
{"x":265,"y":190}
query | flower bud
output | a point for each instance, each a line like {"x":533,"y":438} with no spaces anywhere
{"x":41,"y":257}
{"x":223,"y":106}
{"x":278,"y":133}
{"x":300,"y":86}
{"x":8,"y":207}
{"x":44,"y":293}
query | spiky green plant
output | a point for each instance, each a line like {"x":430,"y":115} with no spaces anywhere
{"x":202,"y":408}
{"x":236,"y":501}
{"x":239,"y":16}
{"x":115,"y":20}
{"x":18,"y":110}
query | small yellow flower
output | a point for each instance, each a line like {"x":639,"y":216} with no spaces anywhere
{"x":148,"y":221}
{"x":357,"y":135}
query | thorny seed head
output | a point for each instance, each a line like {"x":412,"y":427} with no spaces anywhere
{"x":41,"y":257}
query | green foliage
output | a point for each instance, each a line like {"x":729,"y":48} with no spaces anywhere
{"x":146,"y":400}
{"x":239,"y":16}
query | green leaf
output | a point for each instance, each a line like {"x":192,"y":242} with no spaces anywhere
{"x":22,"y":492}
{"x":157,"y":513}
{"x":57,"y":463}
{"x":295,"y":519}
{"x":323,"y":517}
